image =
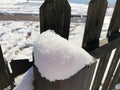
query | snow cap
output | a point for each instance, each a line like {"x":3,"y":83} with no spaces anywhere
{"x":57,"y":58}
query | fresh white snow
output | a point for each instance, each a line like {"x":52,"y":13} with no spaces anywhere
{"x":57,"y":58}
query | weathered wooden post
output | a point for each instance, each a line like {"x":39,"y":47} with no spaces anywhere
{"x":113,"y":31}
{"x":4,"y":76}
{"x":80,"y":81}
{"x":55,"y":14}
{"x":93,"y":28}
{"x":94,"y":22}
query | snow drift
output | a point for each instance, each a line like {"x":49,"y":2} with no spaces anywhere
{"x":58,"y":59}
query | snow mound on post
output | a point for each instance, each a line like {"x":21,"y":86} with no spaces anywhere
{"x":58,"y":59}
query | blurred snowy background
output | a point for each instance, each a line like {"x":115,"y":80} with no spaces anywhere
{"x":17,"y":37}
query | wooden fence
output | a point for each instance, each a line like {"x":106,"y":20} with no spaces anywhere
{"x":32,"y":17}
{"x":55,"y":14}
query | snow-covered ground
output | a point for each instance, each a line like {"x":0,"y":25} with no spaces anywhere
{"x":17,"y":37}
{"x":32,"y":7}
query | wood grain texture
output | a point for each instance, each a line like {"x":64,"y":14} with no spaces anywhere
{"x":55,"y":15}
{"x":104,"y":53}
{"x":115,"y":60}
{"x":101,"y":69}
{"x":94,"y":22}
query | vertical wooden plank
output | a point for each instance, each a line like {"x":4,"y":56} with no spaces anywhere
{"x":115,"y":21}
{"x":4,"y":77}
{"x":104,"y":57}
{"x":111,"y":70}
{"x":55,"y":14}
{"x":77,"y":83}
{"x":66,"y":84}
{"x":80,"y":81}
{"x":88,"y":76}
{"x":114,"y":80}
{"x":103,"y":53}
{"x":94,"y":22}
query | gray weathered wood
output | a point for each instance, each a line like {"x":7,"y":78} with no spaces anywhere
{"x":77,"y":79}
{"x":103,"y":53}
{"x":77,"y":83}
{"x":115,"y":21}
{"x":4,"y":77}
{"x":88,"y":77}
{"x":114,"y":80}
{"x":55,"y":14}
{"x":111,"y":70}
{"x":95,"y":17}
{"x":101,"y":69}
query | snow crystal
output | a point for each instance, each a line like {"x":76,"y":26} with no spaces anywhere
{"x":58,"y":59}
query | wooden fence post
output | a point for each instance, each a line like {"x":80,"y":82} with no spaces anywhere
{"x":55,"y":14}
{"x":4,"y":76}
{"x":104,"y":58}
{"x":115,"y":22}
{"x":95,"y":17}
{"x":80,"y":81}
